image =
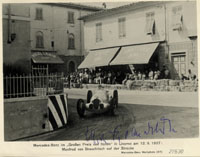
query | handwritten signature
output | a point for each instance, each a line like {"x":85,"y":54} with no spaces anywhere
{"x":162,"y":127}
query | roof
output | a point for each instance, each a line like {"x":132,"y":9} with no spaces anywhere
{"x":124,"y":8}
{"x":76,"y":6}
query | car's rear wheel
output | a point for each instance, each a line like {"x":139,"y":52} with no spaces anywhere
{"x":115,"y":97}
{"x":112,"y":107}
{"x":81,"y":107}
{"x":89,"y":96}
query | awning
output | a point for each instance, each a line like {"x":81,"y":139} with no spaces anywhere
{"x":137,"y":54}
{"x":46,"y":58}
{"x":98,"y":58}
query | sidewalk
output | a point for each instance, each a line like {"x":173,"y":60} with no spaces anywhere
{"x":176,"y":99}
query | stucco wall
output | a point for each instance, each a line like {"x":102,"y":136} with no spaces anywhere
{"x":21,"y":9}
{"x":135,"y":26}
{"x":55,"y":27}
{"x":45,"y":25}
{"x":25,"y":117}
{"x":190,"y":50}
{"x":179,"y":41}
{"x":16,"y":54}
{"x":135,"y":29}
{"x":67,"y":59}
{"x":189,"y":17}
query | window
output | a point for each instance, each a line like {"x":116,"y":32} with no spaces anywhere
{"x":150,"y":23}
{"x":177,"y":18}
{"x":179,"y":63}
{"x":71,"y":17}
{"x":52,"y":43}
{"x":39,"y":40}
{"x":71,"y":41}
{"x":122,"y":27}
{"x":39,"y":14}
{"x":98,"y":32}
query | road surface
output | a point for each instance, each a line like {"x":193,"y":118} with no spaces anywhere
{"x":141,"y":115}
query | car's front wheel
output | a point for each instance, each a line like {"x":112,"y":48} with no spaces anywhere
{"x":115,"y":97}
{"x":81,"y":108}
{"x":112,"y":107}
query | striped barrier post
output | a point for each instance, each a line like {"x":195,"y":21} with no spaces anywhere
{"x":58,"y":111}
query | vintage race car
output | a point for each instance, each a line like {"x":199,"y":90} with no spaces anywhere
{"x":100,"y":102}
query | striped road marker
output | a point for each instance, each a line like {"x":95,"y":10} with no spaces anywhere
{"x":58,"y":111}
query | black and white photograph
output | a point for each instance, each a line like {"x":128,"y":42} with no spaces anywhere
{"x":100,"y":71}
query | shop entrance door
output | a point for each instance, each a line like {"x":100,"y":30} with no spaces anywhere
{"x":71,"y":67}
{"x":179,"y":63}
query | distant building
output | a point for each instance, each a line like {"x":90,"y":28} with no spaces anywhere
{"x":144,"y":34}
{"x":55,"y":29}
{"x":47,"y":35}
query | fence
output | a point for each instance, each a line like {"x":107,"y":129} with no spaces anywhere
{"x":31,"y":85}
{"x":40,"y":70}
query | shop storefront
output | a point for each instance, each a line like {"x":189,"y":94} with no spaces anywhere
{"x":44,"y":62}
{"x":139,"y":57}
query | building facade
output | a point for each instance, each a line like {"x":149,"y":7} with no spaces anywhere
{"x":16,"y":39}
{"x":48,"y":36}
{"x":55,"y":28}
{"x":173,"y":25}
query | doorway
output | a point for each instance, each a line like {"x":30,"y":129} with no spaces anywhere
{"x":71,"y":67}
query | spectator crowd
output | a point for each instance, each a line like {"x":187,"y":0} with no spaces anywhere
{"x":99,"y":76}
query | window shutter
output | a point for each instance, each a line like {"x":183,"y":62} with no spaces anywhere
{"x":177,"y":22}
{"x":150,"y":23}
{"x":177,"y":18}
{"x":71,"y":40}
{"x":73,"y":43}
{"x":39,"y":40}
{"x":42,"y":41}
{"x":70,"y":17}
{"x":122,"y":27}
{"x":69,"y":43}
{"x":39,"y":14}
{"x":98,"y":32}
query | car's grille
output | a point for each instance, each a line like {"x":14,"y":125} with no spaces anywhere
{"x":101,"y":106}
{"x":96,"y":103}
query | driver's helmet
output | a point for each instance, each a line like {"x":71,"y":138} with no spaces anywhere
{"x":102,"y":95}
